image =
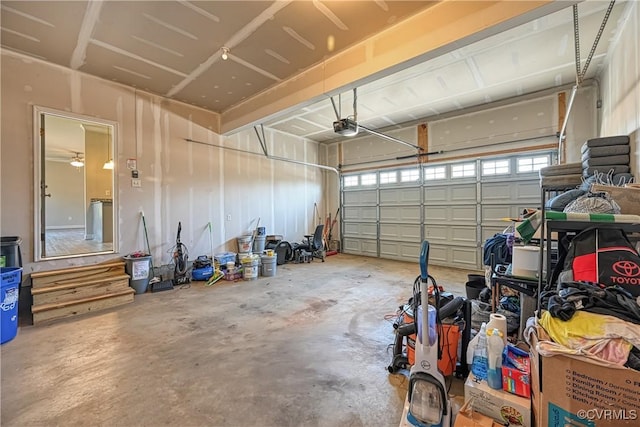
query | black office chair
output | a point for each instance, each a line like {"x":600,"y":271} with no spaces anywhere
{"x":311,"y":247}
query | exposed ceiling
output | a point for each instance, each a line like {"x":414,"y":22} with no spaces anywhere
{"x":174,"y":49}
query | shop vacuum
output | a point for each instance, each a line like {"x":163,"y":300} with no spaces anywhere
{"x":427,"y":402}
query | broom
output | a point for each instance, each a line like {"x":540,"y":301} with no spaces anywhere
{"x":146,"y":238}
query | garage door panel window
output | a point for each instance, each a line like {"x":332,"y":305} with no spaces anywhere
{"x":388,"y":177}
{"x":532,"y":164}
{"x":463,"y":170}
{"x":368,"y":179}
{"x":410,"y":175}
{"x":351,"y":181}
{"x":495,"y":167}
{"x":433,"y":173}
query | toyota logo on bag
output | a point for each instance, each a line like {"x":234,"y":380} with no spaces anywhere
{"x":626,"y":268}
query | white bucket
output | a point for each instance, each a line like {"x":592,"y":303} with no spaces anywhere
{"x":269,"y":265}
{"x":258,"y":244}
{"x":244,"y":244}
{"x":526,"y":260}
{"x":250,"y":267}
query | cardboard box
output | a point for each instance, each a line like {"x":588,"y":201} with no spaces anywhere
{"x":497,"y":404}
{"x":467,"y":417}
{"x":569,"y":391}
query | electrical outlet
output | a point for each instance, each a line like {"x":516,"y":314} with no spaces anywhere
{"x":107,"y":193}
{"x":136,"y":183}
{"x":228,"y":217}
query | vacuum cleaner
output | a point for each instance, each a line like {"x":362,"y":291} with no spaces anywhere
{"x":428,"y":403}
{"x":400,"y":360}
{"x":180,"y":258}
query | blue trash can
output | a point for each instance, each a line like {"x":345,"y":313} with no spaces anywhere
{"x":11,"y":278}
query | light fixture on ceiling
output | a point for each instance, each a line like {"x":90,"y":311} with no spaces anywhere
{"x":108,"y":164}
{"x":76,"y":161}
{"x":225,"y":53}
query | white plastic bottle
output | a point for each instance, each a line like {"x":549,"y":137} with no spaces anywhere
{"x":495,"y":345}
{"x":471,"y":347}
{"x":480,"y":356}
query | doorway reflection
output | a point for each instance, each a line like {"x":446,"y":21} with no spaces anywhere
{"x":76,"y":181}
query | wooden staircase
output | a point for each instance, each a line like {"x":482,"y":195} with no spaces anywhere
{"x":71,"y":291}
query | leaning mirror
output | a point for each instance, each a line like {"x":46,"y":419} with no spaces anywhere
{"x":74,"y":185}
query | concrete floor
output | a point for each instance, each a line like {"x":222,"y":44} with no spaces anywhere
{"x":308,"y":347}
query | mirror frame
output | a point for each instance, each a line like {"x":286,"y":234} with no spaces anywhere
{"x":38,"y":112}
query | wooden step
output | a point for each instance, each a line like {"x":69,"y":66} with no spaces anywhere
{"x":75,"y":274}
{"x":77,"y":290}
{"x":80,"y":290}
{"x":48,"y":312}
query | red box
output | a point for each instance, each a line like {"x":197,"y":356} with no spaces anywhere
{"x":515,"y":381}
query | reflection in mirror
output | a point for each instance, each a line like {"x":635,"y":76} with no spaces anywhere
{"x":74,"y":186}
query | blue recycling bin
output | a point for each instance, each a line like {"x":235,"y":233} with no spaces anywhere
{"x":9,"y":293}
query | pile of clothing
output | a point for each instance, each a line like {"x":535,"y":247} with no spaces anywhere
{"x":588,"y":319}
{"x":608,"y":155}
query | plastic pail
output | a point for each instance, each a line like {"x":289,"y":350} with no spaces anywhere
{"x":476,"y":278}
{"x":139,"y":270}
{"x":250,"y":267}
{"x":258,"y":244}
{"x":269,"y":265}
{"x":244,"y":244}
{"x":474,"y":288}
{"x":11,"y":278}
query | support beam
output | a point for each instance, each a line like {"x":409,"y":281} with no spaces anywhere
{"x":562,"y":116}
{"x":423,"y":141}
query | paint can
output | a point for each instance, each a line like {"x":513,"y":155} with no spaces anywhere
{"x":250,"y":265}
{"x":258,"y":244}
{"x":269,"y":265}
{"x":244,"y":244}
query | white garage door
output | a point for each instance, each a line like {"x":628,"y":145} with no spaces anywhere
{"x":454,"y":205}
